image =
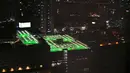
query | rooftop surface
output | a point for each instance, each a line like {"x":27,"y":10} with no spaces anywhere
{"x":27,"y":38}
{"x":60,"y":42}
{"x":56,"y":42}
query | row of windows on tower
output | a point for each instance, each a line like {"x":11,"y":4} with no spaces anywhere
{"x":30,"y":9}
{"x":48,"y":20}
{"x":34,"y":5}
{"x":36,"y":10}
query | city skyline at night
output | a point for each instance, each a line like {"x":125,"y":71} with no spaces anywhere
{"x":64,"y":36}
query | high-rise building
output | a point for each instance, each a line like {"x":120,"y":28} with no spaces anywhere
{"x":30,"y":12}
{"x":74,"y":13}
{"x":46,"y":17}
{"x":77,"y":13}
{"x":25,"y":55}
{"x":71,"y":12}
{"x":124,"y":3}
{"x":38,"y":12}
{"x":8,"y":18}
{"x":69,"y":55}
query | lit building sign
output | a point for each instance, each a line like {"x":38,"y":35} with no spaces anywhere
{"x":24,"y":24}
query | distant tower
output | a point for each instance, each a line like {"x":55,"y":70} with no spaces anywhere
{"x":46,"y":17}
{"x":13,"y":6}
{"x":10,"y":19}
{"x":42,"y":17}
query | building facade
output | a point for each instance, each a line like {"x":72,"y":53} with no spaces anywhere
{"x":8,"y":18}
{"x":74,"y":13}
{"x":39,"y":13}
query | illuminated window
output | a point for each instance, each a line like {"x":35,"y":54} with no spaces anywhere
{"x":65,"y":57}
{"x":93,"y":22}
{"x":65,"y":62}
{"x":72,"y":14}
{"x":21,"y":14}
{"x":65,"y":54}
{"x":107,"y":21}
{"x":127,"y":10}
{"x":41,"y":66}
{"x":66,"y":67}
{"x":65,"y":51}
{"x":48,"y":17}
{"x":109,"y":43}
{"x":20,"y":2}
{"x":58,"y":63}
{"x":57,"y":11}
{"x":67,"y":0}
{"x":53,"y":64}
{"x":42,"y":19}
{"x":66,"y":70}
